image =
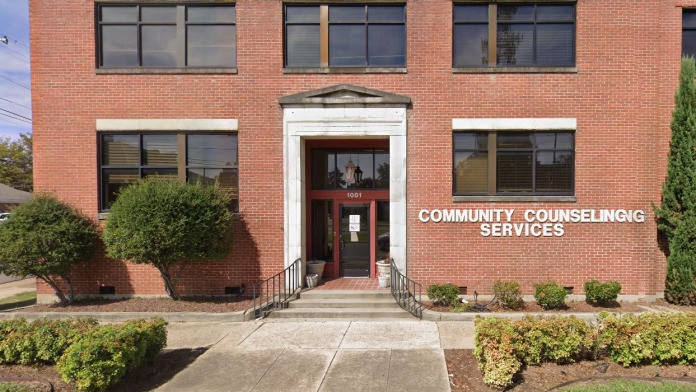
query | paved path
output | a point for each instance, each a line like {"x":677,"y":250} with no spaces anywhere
{"x":322,"y":356}
{"x":17,"y":287}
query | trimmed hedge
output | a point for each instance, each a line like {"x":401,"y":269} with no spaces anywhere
{"x":443,"y":294}
{"x":550,"y":295}
{"x":602,"y":293}
{"x":91,"y":356}
{"x":503,"y":346}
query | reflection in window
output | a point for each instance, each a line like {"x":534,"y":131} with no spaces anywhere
{"x":689,"y":32}
{"x":350,"y":169}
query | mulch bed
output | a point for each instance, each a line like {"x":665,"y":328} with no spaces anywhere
{"x":144,"y":378}
{"x":195,"y":304}
{"x":571,"y":307}
{"x":465,"y":375}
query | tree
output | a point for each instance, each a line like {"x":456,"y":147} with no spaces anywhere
{"x":168,"y":225}
{"x":45,"y":237}
{"x":16,"y":162}
{"x":677,"y":214}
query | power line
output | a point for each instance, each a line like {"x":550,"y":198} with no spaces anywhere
{"x":18,"y":104}
{"x":15,"y":114}
{"x":19,"y":53}
{"x":15,"y":118}
{"x":13,"y":56}
{"x":10,"y":121}
{"x":15,"y":82}
{"x":18,"y":42}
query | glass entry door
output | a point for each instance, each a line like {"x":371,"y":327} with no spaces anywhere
{"x":354,"y":240}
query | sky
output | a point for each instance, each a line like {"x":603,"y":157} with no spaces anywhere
{"x":15,"y":74}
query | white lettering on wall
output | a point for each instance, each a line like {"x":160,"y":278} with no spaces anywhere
{"x":537,"y":223}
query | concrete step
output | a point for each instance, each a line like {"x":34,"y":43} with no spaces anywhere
{"x":344,"y":303}
{"x":341,"y":313}
{"x":345,"y":294}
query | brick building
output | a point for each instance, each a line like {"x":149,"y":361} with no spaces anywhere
{"x":472,"y":141}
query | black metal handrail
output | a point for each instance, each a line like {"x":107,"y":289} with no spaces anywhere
{"x":275,"y":292}
{"x":406,"y":292}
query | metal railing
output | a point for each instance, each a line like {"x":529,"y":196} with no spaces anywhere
{"x":276,"y":291}
{"x":406,"y":292}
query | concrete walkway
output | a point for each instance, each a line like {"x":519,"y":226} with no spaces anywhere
{"x":17,"y":287}
{"x":318,"y":356}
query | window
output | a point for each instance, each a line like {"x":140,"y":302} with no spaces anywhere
{"x":514,"y":35}
{"x":350,"y":169}
{"x":689,"y":33}
{"x":167,"y":36}
{"x":345,"y":36}
{"x":210,"y":159}
{"x":513,"y":163}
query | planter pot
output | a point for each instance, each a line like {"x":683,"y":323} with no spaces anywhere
{"x":384,"y":274}
{"x":312,"y":280}
{"x":316,"y":267}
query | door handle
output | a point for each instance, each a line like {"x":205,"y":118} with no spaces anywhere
{"x":341,"y":244}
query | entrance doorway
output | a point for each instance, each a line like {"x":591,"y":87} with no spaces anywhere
{"x":348,"y":214}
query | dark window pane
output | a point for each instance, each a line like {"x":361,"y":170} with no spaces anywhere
{"x":158,"y":14}
{"x":689,"y":43}
{"x":515,"y":44}
{"x":226,"y":179}
{"x":382,"y":169}
{"x":120,"y":150}
{"x":514,"y":172}
{"x":515,"y":13}
{"x":302,"y":46}
{"x":555,"y":13}
{"x":554,"y":172}
{"x":119,"y":45}
{"x":302,"y":13}
{"x":382,"y":231}
{"x":211,"y":46}
{"x":322,"y":230}
{"x":159,"y":46}
{"x":379,"y":13}
{"x":470,"y":45}
{"x":349,"y":13}
{"x":159,"y":150}
{"x":554,"y":45}
{"x":545,"y":140}
{"x":347,"y":45}
{"x":212,"y":150}
{"x":211,"y":14}
{"x":113,"y":180}
{"x":119,"y":14}
{"x":470,"y":141}
{"x":364,"y":171}
{"x":564,"y":141}
{"x":323,"y":169}
{"x":471,"y":13}
{"x":161,"y":174}
{"x":515,"y":140}
{"x":387,"y":45}
{"x":689,"y":19}
{"x":470,"y":172}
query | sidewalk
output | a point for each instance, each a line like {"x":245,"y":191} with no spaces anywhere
{"x":318,"y":356}
{"x":17,"y":287}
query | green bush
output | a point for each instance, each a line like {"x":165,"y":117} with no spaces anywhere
{"x":550,"y":295}
{"x":443,"y":294}
{"x":649,"y":338}
{"x":508,"y":294}
{"x":169,"y":224}
{"x":44,"y":238}
{"x":42,"y":341}
{"x":103,"y":356}
{"x":598,"y":293}
{"x":494,"y":350}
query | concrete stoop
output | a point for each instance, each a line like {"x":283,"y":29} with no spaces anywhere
{"x":343,"y":304}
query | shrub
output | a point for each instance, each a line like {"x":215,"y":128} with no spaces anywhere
{"x":44,"y":238}
{"x":677,"y":214}
{"x":508,"y":294}
{"x":494,"y":350}
{"x":169,"y":224}
{"x":649,"y":338}
{"x":103,"y":356}
{"x":550,"y":295}
{"x":598,"y":293}
{"x":443,"y":294}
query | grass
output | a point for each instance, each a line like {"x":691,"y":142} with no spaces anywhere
{"x":18,"y":301}
{"x":632,"y":386}
{"x":10,"y":387}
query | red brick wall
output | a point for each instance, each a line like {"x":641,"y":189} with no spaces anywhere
{"x":627,"y":60}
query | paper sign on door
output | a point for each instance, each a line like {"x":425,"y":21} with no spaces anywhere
{"x":353,"y":227}
{"x":354,"y":219}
